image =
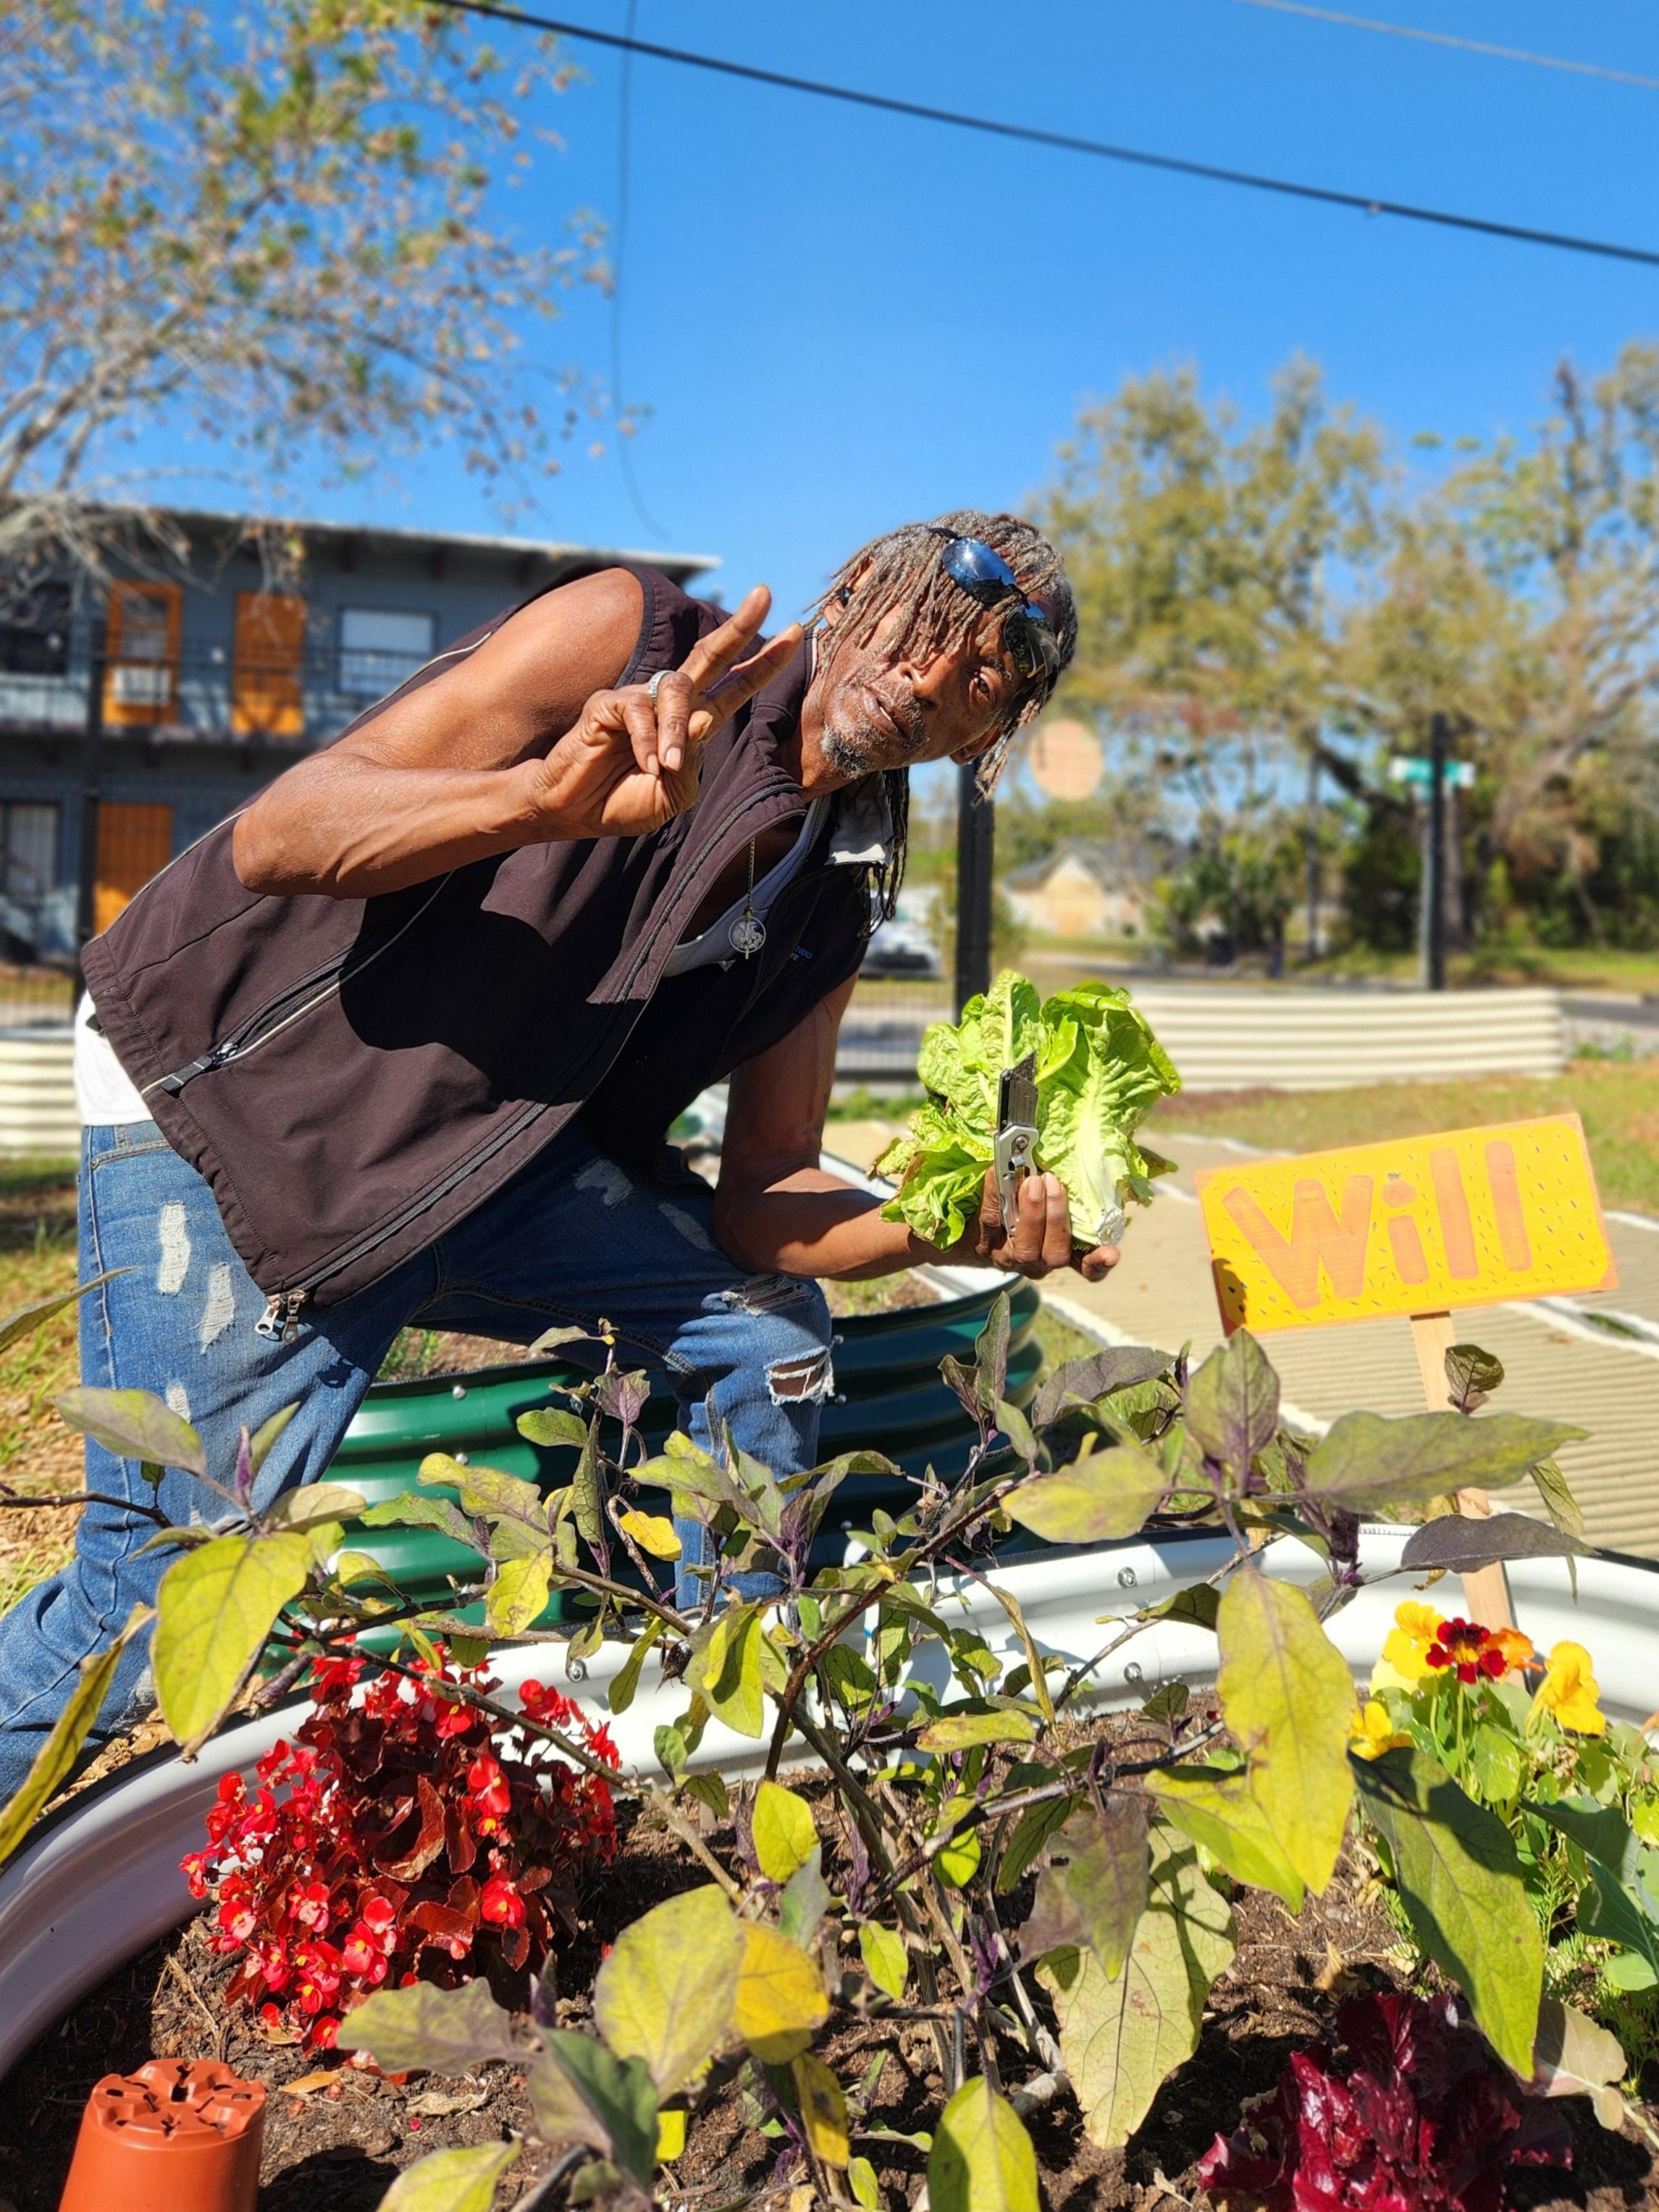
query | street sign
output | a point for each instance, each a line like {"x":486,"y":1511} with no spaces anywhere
{"x":1421,"y":1224}
{"x":1414,"y":768}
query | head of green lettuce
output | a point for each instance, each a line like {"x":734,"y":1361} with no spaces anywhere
{"x":1099,"y":1072}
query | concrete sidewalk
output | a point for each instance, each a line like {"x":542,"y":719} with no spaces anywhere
{"x":1559,"y":1362}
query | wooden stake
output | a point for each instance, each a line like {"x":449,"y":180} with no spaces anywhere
{"x":1487,"y":1590}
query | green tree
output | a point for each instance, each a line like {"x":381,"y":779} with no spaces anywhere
{"x":277,"y":231}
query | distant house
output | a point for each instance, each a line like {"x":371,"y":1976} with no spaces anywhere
{"x":213,"y":679}
{"x":1084,"y":888}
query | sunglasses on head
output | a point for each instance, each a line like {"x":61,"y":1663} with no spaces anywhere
{"x":983,"y":573}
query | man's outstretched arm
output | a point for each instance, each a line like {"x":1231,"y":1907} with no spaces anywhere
{"x":777,"y":1209}
{"x":526,"y":741}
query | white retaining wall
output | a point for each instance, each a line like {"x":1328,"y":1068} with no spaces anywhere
{"x":1223,"y":1039}
{"x":37,"y":1092}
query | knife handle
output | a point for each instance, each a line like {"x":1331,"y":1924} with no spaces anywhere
{"x":1013,"y":1164}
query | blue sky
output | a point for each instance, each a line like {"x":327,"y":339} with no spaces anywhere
{"x":840,"y":319}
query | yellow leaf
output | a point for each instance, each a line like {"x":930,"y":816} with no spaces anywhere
{"x":216,"y":1608}
{"x":519,"y":1594}
{"x":822,"y":2109}
{"x":670,"y":2133}
{"x":884,"y":1958}
{"x":665,"y":1993}
{"x":785,"y":1838}
{"x":1287,"y":1694}
{"x":781,"y":1999}
{"x":983,"y":2159}
{"x":652,"y":1533}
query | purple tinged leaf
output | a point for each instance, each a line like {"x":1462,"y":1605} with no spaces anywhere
{"x":1232,"y":1403}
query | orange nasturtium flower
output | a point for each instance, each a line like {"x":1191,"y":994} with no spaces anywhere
{"x":1369,"y":1733}
{"x":1570,"y":1691}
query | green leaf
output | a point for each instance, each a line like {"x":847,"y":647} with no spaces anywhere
{"x":265,"y":1436}
{"x":1034,"y":1659}
{"x":519,"y":1594}
{"x":1111,"y":1493}
{"x":982,"y":2160}
{"x":1600,"y":1831}
{"x":1232,"y":1402}
{"x":958,"y":1862}
{"x":1609,"y":1911}
{"x":445,"y":2031}
{"x":785,"y":1838}
{"x":710,"y":1790}
{"x":1101,"y":1374}
{"x":1365,"y":1460}
{"x":409,"y":1510}
{"x":861,"y":2180}
{"x":215,"y":1610}
{"x":961,"y":1731}
{"x":805,"y":1898}
{"x":666,"y":1992}
{"x":1574,"y":2057}
{"x":1459,"y":1878}
{"x":627,"y":1679}
{"x":1031,"y":1833}
{"x":780,"y":2002}
{"x":1287,"y":1694}
{"x":461,"y":2180}
{"x":1559,"y":1503}
{"x":1197,"y":1608}
{"x":21,"y":1319}
{"x":58,"y":1753}
{"x":134,"y":1425}
{"x":1495,"y":1763}
{"x":552,"y":1425}
{"x":1221,"y":1812}
{"x":310,"y":1504}
{"x":991,"y":1356}
{"x":1122,"y":2034}
{"x":587,"y":1489}
{"x":1107,"y":1876}
{"x":885,"y":1958}
{"x":581,"y":2093}
{"x":1017,"y":1430}
{"x":729,"y":1674}
{"x":1471,"y":1376}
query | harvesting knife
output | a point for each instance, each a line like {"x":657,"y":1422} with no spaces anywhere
{"x":1016,"y":1131}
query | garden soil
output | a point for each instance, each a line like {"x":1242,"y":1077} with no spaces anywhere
{"x":336,"y":2137}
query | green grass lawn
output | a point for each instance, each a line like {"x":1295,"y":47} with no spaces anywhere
{"x":1618,"y":1100}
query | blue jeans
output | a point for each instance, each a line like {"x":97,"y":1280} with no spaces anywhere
{"x":571,"y":1239}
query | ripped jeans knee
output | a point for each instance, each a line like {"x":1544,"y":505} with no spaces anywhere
{"x":799,"y":1371}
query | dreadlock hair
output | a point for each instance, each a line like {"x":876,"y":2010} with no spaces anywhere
{"x":901,"y":574}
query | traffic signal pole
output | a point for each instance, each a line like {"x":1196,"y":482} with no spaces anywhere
{"x":1433,"y":919}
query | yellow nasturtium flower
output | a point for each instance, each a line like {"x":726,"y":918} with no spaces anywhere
{"x":1570,"y":1691}
{"x":1369,"y":1733}
{"x":1406,"y":1653}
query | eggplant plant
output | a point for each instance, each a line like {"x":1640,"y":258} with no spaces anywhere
{"x":897,"y":1891}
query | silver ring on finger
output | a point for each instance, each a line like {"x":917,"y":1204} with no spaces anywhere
{"x":655,"y":683}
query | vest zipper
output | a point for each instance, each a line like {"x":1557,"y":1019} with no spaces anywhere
{"x":281,"y":1318}
{"x":244,"y":1040}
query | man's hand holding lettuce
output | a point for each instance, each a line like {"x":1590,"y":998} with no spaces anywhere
{"x":1099,"y":1072}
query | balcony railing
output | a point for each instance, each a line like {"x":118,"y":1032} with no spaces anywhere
{"x":207,"y":695}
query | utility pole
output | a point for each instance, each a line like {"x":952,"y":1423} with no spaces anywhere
{"x":92,"y":788}
{"x":976,"y":834}
{"x":1432,"y":927}
{"x":1313,"y":857}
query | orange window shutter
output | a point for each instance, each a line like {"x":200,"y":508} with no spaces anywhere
{"x":134,"y":844}
{"x":141,"y":683}
{"x":268,"y":664}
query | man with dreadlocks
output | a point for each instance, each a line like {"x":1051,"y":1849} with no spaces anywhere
{"x":403,"y":1041}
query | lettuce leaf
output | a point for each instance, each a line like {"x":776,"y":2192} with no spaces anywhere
{"x":1099,"y":1070}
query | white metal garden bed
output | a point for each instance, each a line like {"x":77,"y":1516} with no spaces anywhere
{"x":103,"y":1881}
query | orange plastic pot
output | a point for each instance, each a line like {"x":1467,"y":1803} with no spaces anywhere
{"x":181,"y":2135}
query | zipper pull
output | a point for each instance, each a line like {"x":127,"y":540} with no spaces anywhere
{"x":281,"y":1318}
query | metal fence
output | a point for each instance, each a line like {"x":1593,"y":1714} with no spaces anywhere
{"x":881,"y":1031}
{"x":208,"y":694}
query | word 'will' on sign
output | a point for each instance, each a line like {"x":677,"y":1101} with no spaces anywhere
{"x":1418,"y":1226}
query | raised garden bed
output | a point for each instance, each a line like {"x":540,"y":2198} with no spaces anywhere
{"x":338,"y":2136}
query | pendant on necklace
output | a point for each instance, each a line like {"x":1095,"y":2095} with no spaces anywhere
{"x":747,"y":933}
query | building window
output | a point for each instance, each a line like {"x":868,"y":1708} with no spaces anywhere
{"x":144,"y":653}
{"x":28,"y":860}
{"x":380,"y":647}
{"x":267,"y":664}
{"x":34,"y":630}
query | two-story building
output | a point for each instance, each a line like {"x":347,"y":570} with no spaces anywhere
{"x":146,"y":710}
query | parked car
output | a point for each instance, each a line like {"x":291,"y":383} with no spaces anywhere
{"x":900,"y":948}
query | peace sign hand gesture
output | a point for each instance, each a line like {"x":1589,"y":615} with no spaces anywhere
{"x":630,"y":762}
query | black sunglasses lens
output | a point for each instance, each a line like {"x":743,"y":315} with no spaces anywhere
{"x":1031,"y":646}
{"x":972,"y":564}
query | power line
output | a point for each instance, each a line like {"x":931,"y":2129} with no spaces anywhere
{"x":1136,"y":157}
{"x":1463,"y":46}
